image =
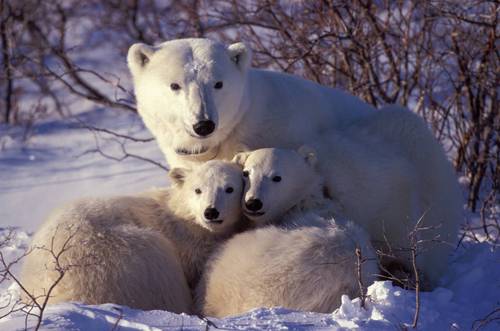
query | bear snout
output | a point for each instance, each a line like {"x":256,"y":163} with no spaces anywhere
{"x":211,"y":213}
{"x":254,"y":204}
{"x":204,"y":128}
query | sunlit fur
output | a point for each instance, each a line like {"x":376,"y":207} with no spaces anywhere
{"x":388,"y":172}
{"x":144,"y":251}
{"x":255,"y":108}
{"x":298,"y":266}
{"x":299,"y":258}
{"x":385,"y":168}
{"x":195,"y":65}
{"x":115,"y":254}
{"x":301,"y":187}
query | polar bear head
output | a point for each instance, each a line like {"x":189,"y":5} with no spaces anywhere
{"x":276,"y":180}
{"x":189,"y":93}
{"x":210,"y":193}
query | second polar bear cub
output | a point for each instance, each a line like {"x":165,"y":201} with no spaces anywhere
{"x":302,"y":261}
{"x":282,"y":181}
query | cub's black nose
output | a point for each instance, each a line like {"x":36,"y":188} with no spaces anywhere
{"x":211,"y":213}
{"x":204,"y":128}
{"x":253,"y":204}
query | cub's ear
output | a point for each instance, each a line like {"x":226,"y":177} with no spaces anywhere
{"x":138,"y":56}
{"x":240,"y":158}
{"x":309,"y":154}
{"x":178,"y":175}
{"x":240,"y":54}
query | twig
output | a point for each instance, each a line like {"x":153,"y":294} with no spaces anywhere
{"x":362,"y":289}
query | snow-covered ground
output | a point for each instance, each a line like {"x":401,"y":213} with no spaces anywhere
{"x":58,"y":164}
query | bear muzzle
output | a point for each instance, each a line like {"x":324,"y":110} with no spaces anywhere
{"x":204,"y":128}
{"x":253,"y":207}
{"x":211,"y":215}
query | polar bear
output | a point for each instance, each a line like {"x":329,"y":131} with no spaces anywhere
{"x":106,"y":251}
{"x":305,"y":268}
{"x":299,"y":258}
{"x":281,"y":182}
{"x":201,"y":100}
{"x":370,"y":181}
{"x":207,"y":211}
{"x":391,"y":176}
{"x":141,"y":251}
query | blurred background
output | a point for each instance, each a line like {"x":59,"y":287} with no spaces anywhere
{"x":439,"y":58}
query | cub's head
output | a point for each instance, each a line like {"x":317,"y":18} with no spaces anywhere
{"x":211,"y":193}
{"x":189,"y":92}
{"x":275,"y":181}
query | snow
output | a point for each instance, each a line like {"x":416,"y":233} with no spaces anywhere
{"x":56,"y":165}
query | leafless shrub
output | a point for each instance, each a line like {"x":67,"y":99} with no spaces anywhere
{"x":439,"y":58}
{"x":493,"y":316}
{"x":359,"y":272}
{"x":399,"y":264}
{"x":121,"y":141}
{"x":34,"y":305}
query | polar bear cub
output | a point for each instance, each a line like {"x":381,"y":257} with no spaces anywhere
{"x":204,"y":211}
{"x":305,"y":268}
{"x":141,"y":251}
{"x":280,"y":182}
{"x":303,"y":261}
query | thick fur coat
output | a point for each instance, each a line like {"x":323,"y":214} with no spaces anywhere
{"x":109,"y":251}
{"x":385,"y":166}
{"x":391,"y":176}
{"x":144,"y":252}
{"x":183,"y":82}
{"x":300,"y":258}
{"x":305,"y":268}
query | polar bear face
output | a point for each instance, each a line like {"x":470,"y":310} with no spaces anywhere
{"x":212,"y":193}
{"x":189,"y":92}
{"x":275,"y":181}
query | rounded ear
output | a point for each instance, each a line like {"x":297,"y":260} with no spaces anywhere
{"x":178,"y":175}
{"x":240,"y":54}
{"x":309,"y":154}
{"x":240,"y":158}
{"x":138,"y":56}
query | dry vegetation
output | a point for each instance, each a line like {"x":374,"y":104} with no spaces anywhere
{"x":32,"y":306}
{"x":439,"y":58}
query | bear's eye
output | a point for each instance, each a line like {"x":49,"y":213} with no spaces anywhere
{"x":245,"y":173}
{"x":229,"y":190}
{"x":277,"y":179}
{"x":218,"y":85}
{"x":197,"y":191}
{"x":175,"y":87}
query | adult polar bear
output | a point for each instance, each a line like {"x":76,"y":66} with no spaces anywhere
{"x":201,"y":100}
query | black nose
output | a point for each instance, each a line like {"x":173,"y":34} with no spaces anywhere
{"x":204,"y":128}
{"x":211,"y":213}
{"x":253,"y":204}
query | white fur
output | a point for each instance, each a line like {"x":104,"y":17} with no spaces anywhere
{"x":114,"y":255}
{"x":194,"y":236}
{"x":139,"y":251}
{"x":387,"y":171}
{"x":386,"y":166}
{"x":306,"y":268}
{"x":300,"y":188}
{"x":306,"y":263}
{"x":255,"y":108}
